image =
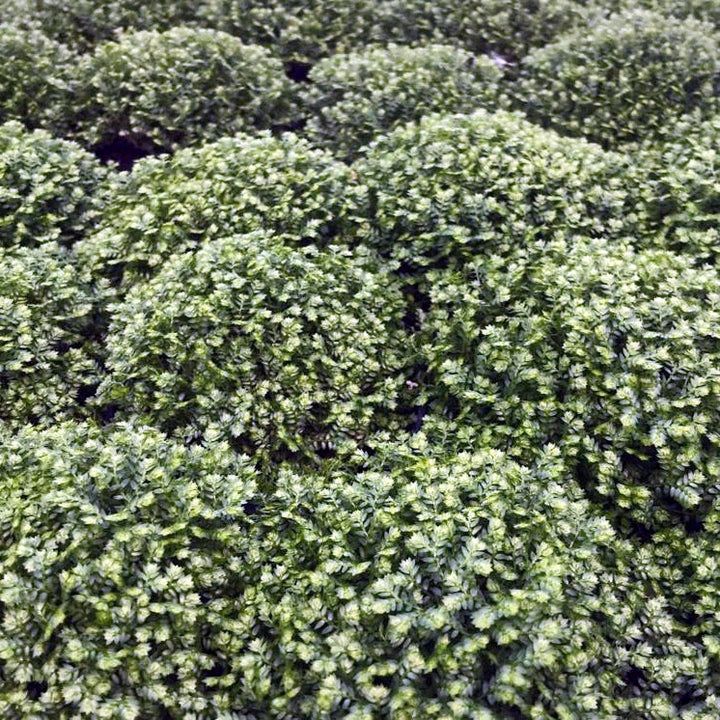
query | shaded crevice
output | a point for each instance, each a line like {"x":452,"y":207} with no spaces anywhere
{"x":106,"y":413}
{"x":639,"y":531}
{"x":635,"y":677}
{"x":124,"y":152}
{"x":692,"y":519}
{"x":85,"y":392}
{"x":298,"y":71}
{"x":35,"y":690}
{"x":292,"y":126}
{"x":417,"y":307}
{"x":639,"y":469}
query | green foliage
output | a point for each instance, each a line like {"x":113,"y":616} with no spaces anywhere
{"x":142,"y":578}
{"x":623,"y":79}
{"x":687,"y":568}
{"x":178,"y":87}
{"x":509,"y":27}
{"x":307,"y":31}
{"x":429,"y":435}
{"x":35,"y":74}
{"x":612,"y":354}
{"x":680,"y":564}
{"x":706,"y":10}
{"x":122,"y":573}
{"x":679,"y":197}
{"x":50,"y":190}
{"x":82,"y":24}
{"x":236,"y":185}
{"x":354,"y":97}
{"x":278,"y":348}
{"x":453,"y":187}
{"x":46,"y":317}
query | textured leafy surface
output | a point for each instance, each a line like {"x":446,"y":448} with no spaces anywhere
{"x":50,"y":190}
{"x":46,"y":312}
{"x":351,"y":594}
{"x":240,"y":184}
{"x":35,"y":77}
{"x":352,"y":98}
{"x":164,"y":90}
{"x":453,"y":187}
{"x":626,"y":79}
{"x":274,"y":347}
{"x":609,"y":353}
{"x":390,"y":389}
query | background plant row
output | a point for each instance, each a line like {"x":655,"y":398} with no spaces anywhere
{"x":150,"y":79}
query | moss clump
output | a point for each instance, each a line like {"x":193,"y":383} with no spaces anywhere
{"x":36,"y":76}
{"x":611,"y":353}
{"x":50,"y":189}
{"x":235,"y":185}
{"x":46,"y":325}
{"x":454,"y":187}
{"x":308,"y":31}
{"x":142,"y":577}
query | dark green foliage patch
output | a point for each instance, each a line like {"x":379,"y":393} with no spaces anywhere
{"x":50,"y":189}
{"x":235,"y":185}
{"x":352,"y":98}
{"x":623,"y":79}
{"x":166,"y":90}
{"x":456,"y":187}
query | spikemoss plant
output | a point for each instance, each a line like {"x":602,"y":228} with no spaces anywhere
{"x":351,"y":98}
{"x":455,"y":187}
{"x":47,"y":306}
{"x":178,"y":87}
{"x":280,"y":349}
{"x":143,"y":577}
{"x":50,"y":189}
{"x":609,"y":352}
{"x":235,"y":185}
{"x":36,"y":78}
{"x":624,"y":79}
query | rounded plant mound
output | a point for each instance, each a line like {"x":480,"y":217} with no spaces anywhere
{"x":35,"y":79}
{"x":277,"y":348}
{"x":626,"y":78}
{"x":83,"y":24}
{"x":705,"y":10}
{"x":610,"y":353}
{"x":46,"y":323}
{"x":236,"y":185}
{"x":121,"y":572}
{"x":165,"y":90}
{"x":507,"y":27}
{"x":308,"y":31}
{"x":50,"y":189}
{"x":457,"y":186}
{"x":354,"y":97}
{"x":141,"y":577}
{"x":678,"y":192}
